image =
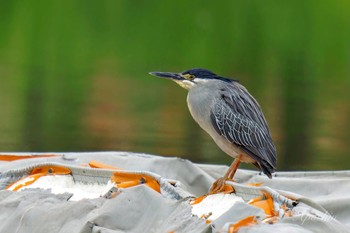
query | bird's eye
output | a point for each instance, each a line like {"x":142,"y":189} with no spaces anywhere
{"x":189,"y":76}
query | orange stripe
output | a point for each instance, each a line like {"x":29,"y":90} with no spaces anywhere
{"x":264,"y":202}
{"x":198,"y":200}
{"x":248,"y":221}
{"x":51,"y":170}
{"x":96,"y":164}
{"x":12,"y":157}
{"x":36,"y":173}
{"x":124,"y":180}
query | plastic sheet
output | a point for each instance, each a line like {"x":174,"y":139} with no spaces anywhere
{"x":323,"y":200}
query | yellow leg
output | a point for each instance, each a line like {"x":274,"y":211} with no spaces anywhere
{"x":219,"y":185}
{"x":233,"y":168}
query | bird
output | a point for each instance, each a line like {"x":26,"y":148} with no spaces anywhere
{"x":231,"y":116}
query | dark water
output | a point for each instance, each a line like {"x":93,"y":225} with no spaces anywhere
{"x":74,"y":75}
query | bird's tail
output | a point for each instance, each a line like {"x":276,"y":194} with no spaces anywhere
{"x":266,"y":168}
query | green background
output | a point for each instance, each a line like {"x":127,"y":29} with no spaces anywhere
{"x":74,"y":75}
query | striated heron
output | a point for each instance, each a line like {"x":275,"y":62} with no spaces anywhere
{"x":231,"y":116}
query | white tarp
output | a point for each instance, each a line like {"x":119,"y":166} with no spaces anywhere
{"x":324,"y":198}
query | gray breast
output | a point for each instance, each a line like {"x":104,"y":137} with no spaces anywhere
{"x":200,"y":100}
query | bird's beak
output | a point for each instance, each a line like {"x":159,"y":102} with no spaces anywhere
{"x":174,"y":76}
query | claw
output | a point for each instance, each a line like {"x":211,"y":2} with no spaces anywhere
{"x":219,"y":186}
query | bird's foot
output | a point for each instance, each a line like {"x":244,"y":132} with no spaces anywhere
{"x":219,"y":186}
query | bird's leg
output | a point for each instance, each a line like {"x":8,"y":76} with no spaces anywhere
{"x":233,"y":168}
{"x":219,"y":185}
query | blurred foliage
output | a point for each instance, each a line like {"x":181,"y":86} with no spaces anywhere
{"x":74,"y":75}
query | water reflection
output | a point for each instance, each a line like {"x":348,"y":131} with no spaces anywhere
{"x":79,"y":81}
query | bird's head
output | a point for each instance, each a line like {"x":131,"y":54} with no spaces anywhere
{"x":190,"y":78}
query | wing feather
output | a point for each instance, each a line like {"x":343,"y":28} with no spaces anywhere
{"x":238,"y":117}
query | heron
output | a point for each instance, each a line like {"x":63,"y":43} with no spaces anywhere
{"x":231,"y":116}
